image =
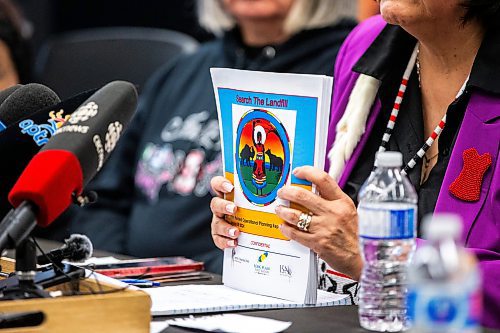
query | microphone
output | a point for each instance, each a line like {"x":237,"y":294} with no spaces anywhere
{"x":71,"y":158}
{"x":76,"y":248}
{"x":20,"y":141}
{"x":6,"y":93}
{"x":20,"y":101}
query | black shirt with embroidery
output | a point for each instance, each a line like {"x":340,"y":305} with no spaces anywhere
{"x":154,"y":195}
{"x":386,"y":60}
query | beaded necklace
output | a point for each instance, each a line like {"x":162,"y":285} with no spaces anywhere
{"x":394,"y":115}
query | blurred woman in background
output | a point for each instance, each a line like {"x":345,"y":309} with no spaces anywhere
{"x":154,"y":192}
{"x":15,"y":48}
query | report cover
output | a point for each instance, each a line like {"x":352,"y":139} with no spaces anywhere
{"x":270,"y":123}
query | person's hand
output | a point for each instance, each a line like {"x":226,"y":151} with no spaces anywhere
{"x":333,"y":231}
{"x":223,"y":234}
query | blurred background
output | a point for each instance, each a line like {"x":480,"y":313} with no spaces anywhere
{"x":49,"y":17}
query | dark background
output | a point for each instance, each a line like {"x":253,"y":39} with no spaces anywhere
{"x":50,"y":17}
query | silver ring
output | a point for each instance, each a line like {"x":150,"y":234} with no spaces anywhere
{"x":304,"y":221}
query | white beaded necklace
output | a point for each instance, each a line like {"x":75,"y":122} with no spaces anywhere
{"x":395,"y":111}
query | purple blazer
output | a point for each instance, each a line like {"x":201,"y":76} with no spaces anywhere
{"x":480,"y":129}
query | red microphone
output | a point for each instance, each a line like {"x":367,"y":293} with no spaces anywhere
{"x":71,"y":158}
{"x":27,"y":131}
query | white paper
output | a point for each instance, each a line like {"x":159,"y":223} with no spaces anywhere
{"x":189,"y":299}
{"x":157,"y":326}
{"x":233,"y":323}
{"x":89,"y":274}
{"x":97,"y":261}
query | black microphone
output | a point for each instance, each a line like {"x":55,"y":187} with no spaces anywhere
{"x":21,"y":101}
{"x":23,"y":139}
{"x":71,"y":158}
{"x":3,"y":95}
{"x":76,"y":248}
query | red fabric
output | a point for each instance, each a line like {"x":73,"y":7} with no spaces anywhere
{"x":259,"y":170}
{"x":49,"y":181}
{"x":467,"y":186}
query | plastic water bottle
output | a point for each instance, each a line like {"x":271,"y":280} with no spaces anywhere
{"x":387,"y":214}
{"x":444,"y":291}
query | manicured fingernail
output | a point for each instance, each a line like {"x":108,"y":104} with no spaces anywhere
{"x":279,"y":192}
{"x":231,"y":243}
{"x":230,"y":208}
{"x":295,"y":171}
{"x":228,"y":187}
{"x":232,"y":232}
{"x":277,"y":209}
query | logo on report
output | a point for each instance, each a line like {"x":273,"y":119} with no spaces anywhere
{"x":261,"y":268}
{"x":263,"y":257}
{"x":286,"y":271}
{"x":235,"y":259}
{"x":262,"y":156}
{"x":42,"y":133}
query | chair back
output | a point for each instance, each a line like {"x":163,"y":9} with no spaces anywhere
{"x":87,"y":59}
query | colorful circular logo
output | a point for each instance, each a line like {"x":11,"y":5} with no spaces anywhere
{"x":262,"y":156}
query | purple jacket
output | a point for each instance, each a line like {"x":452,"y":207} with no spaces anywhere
{"x":480,"y":129}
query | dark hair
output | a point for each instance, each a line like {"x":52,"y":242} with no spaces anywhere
{"x":485,"y":11}
{"x":12,"y":33}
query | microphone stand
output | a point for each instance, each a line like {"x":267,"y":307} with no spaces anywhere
{"x":26,"y":283}
{"x":14,"y":231}
{"x":25,"y":275}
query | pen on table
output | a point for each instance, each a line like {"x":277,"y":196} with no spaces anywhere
{"x":141,"y":283}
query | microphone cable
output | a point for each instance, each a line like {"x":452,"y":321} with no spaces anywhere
{"x":72,"y":280}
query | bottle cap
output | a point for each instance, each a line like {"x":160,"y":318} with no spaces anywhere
{"x":389,"y":159}
{"x":439,"y":226}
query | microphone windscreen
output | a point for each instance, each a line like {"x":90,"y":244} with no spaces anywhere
{"x":7,"y":91}
{"x":80,"y":247}
{"x":3,"y":95}
{"x":25,"y":101}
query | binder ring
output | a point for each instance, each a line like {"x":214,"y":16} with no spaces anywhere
{"x":304,"y":221}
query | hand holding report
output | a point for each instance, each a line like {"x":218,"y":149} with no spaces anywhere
{"x":270,"y":124}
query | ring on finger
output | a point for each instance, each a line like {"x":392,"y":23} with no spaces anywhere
{"x":304,"y":221}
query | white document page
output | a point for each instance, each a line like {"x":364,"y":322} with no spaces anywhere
{"x":173,"y":300}
{"x":233,"y":323}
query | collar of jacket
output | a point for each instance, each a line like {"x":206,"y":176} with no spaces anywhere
{"x":479,"y":129}
{"x":303,"y":45}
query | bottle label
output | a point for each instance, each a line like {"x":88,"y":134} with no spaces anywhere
{"x":435,"y":308}
{"x":381,"y":223}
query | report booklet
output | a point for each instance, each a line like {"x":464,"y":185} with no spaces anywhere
{"x":270,"y":123}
